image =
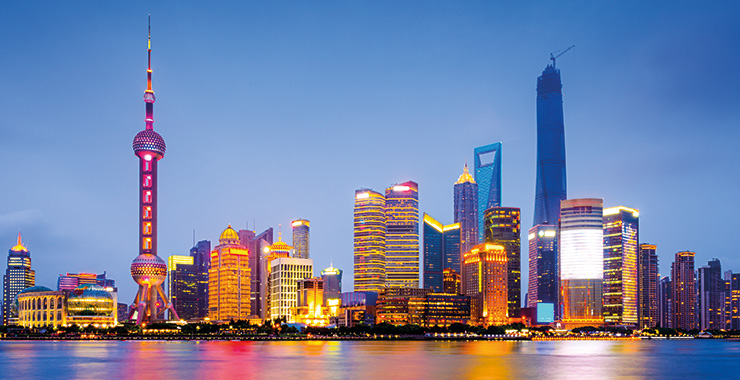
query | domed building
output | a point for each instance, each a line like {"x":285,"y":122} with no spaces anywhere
{"x":91,"y":305}
{"x":229,"y":279}
{"x":39,"y":306}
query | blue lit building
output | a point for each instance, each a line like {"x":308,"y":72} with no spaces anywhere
{"x":201,"y":254}
{"x":488,"y":178}
{"x":551,"y":179}
{"x":441,"y":251}
{"x":466,"y":210}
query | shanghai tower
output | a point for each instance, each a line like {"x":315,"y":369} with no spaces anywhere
{"x":551,"y":182}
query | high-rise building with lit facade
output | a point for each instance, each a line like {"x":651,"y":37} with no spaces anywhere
{"x":149,"y":270}
{"x":70,"y":281}
{"x":182,"y":286}
{"x":277,"y":250}
{"x":229,"y":279}
{"x":648,"y":285}
{"x":551,"y":187}
{"x":451,"y":281}
{"x":711,"y":296}
{"x":486,"y":282}
{"x":18,"y":276}
{"x":259,"y":248}
{"x":621,"y":236}
{"x":201,"y":254}
{"x":441,"y":251}
{"x":285,"y":272}
{"x":683,"y":291}
{"x":487,"y":161}
{"x":301,"y":238}
{"x":332,"y":278}
{"x":503,"y":227}
{"x":732,"y":300}
{"x":581,"y":261}
{"x":369,"y":241}
{"x":543,"y":283}
{"x":466,"y":210}
{"x":665,"y":304}
{"x":402,"y":235}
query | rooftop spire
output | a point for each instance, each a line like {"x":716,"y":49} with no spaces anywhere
{"x":465,"y":177}
{"x":149,"y":93}
{"x":19,"y":247}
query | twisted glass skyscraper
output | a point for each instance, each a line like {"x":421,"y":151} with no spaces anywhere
{"x":551,"y":180}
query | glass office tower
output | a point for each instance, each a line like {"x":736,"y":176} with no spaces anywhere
{"x":488,"y":177}
{"x":503,"y":227}
{"x":402,"y":235}
{"x":466,"y":210}
{"x":441,"y":252}
{"x":581,"y":260}
{"x":648,"y":285}
{"x":542,"y":286}
{"x":621,"y":237}
{"x":683,"y":291}
{"x":369,"y":241}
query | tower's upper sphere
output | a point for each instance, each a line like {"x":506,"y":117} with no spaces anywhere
{"x":149,"y":141}
{"x":148,"y":269}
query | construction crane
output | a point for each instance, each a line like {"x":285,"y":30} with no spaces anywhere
{"x":553,"y":57}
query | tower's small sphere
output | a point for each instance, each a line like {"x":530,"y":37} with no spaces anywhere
{"x":148,"y":269}
{"x":149,"y":141}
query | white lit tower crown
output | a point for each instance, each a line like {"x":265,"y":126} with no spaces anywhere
{"x":148,"y":269}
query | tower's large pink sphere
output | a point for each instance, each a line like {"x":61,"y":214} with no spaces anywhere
{"x":148,"y":269}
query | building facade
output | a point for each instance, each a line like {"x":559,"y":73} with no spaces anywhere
{"x":301,"y":238}
{"x":259,"y":248}
{"x":285,"y":272}
{"x":201,"y":254}
{"x":277,"y":250}
{"x":621,"y":274}
{"x":711,"y":296}
{"x":665,"y":304}
{"x":182,"y":286}
{"x":503,"y":227}
{"x":229,"y":279}
{"x":551,"y":187}
{"x":487,"y":160}
{"x":402,"y":235}
{"x":466,"y":210}
{"x":369,"y":241}
{"x":732,"y":300}
{"x":683,"y":291}
{"x":543,"y":283}
{"x":441,"y":251}
{"x":70,"y":281}
{"x":581,"y":261}
{"x":18,"y":276}
{"x":486,"y":282}
{"x":451,"y":282}
{"x":332,"y":278}
{"x":648,"y":285}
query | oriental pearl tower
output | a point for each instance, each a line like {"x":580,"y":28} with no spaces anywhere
{"x":148,"y":269}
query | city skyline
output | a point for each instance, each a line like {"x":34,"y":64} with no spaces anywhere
{"x":498,"y":110}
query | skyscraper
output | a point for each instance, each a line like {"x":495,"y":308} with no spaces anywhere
{"x":581,"y":260}
{"x":201,"y":254}
{"x":285,"y":272}
{"x":182,"y":285}
{"x":488,"y":177}
{"x":683,"y":291}
{"x":711,"y":296}
{"x":441,"y":251}
{"x":259,"y":248}
{"x":503,"y":227}
{"x":551,"y":185}
{"x":621,"y":299}
{"x":18,"y":275}
{"x":732,"y":300}
{"x":485,"y":282}
{"x":301,"y":238}
{"x":332,"y":283}
{"x":542,"y":286}
{"x":277,"y":250}
{"x":466,"y":210}
{"x":648,"y":286}
{"x":369,"y":241}
{"x":229,"y":279}
{"x":149,"y":270}
{"x":665,"y":304}
{"x":402,"y":235}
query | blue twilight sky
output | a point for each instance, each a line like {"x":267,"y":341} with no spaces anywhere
{"x":279,"y":110}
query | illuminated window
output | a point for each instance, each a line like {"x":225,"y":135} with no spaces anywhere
{"x":147,"y":166}
{"x":147,"y":212}
{"x":147,"y":180}
{"x":147,"y":243}
{"x":148,"y":196}
{"x":147,"y":228}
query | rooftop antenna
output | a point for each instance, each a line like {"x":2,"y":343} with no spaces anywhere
{"x":553,"y":57}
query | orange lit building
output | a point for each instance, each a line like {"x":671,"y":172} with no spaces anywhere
{"x":450,"y":281}
{"x":311,"y":309}
{"x":486,"y":282}
{"x":369,"y":241}
{"x":229,"y":279}
{"x":278,"y":250}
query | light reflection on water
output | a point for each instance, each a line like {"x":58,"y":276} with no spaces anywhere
{"x":385,"y":360}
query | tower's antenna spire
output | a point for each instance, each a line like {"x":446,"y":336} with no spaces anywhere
{"x":149,"y":93}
